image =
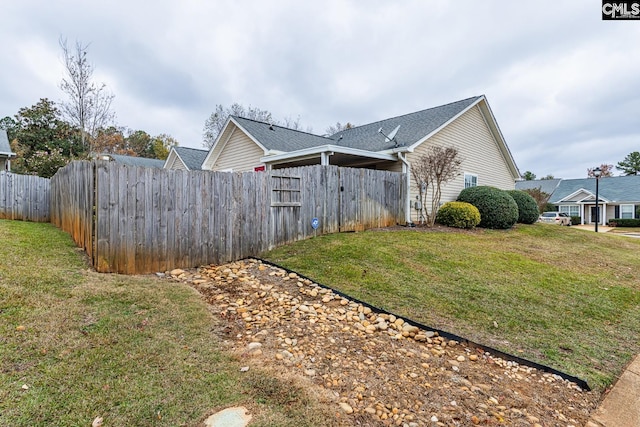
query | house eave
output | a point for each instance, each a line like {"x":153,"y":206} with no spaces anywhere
{"x":330,"y":148}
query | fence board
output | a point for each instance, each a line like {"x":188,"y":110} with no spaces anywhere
{"x":135,"y":220}
{"x":24,"y":197}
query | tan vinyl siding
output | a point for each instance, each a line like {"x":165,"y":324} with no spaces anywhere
{"x":239,"y":154}
{"x":174,"y":162}
{"x":478,"y":151}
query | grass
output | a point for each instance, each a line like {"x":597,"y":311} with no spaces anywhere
{"x":137,"y":351}
{"x":565,"y":298}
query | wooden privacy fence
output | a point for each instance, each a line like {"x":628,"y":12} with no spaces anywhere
{"x":24,"y":197}
{"x":139,"y":220}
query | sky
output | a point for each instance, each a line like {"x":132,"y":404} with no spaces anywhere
{"x":563,"y":85}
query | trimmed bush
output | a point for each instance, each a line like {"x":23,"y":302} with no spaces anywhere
{"x":458,"y":214}
{"x":576,"y":220}
{"x":624,"y":222}
{"x":527,"y":206}
{"x":497,"y":208}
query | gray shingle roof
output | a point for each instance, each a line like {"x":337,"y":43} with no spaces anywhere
{"x":614,"y":189}
{"x":279,"y":138}
{"x":136,"y":161}
{"x":192,"y":157}
{"x":5,"y":148}
{"x":413,"y":128}
{"x":545,"y":185}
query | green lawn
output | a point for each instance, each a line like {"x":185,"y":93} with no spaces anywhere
{"x":137,"y":351}
{"x":566,"y":298}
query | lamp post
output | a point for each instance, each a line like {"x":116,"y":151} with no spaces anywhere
{"x":597,"y":172}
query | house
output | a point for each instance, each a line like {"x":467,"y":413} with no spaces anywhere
{"x":391,"y":144}
{"x":619,"y":197}
{"x":185,"y":158}
{"x":131,"y":160}
{"x":5,"y":152}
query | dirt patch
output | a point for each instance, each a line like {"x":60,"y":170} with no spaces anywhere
{"x":379,"y":370}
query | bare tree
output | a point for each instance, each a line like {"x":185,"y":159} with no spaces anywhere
{"x":216,"y":121}
{"x":338,"y":127}
{"x":433,"y":169}
{"x":89,"y":104}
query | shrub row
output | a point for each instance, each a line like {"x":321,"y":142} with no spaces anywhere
{"x":489,"y":207}
{"x":624,"y":222}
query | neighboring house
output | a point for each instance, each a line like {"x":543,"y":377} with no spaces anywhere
{"x":5,"y":152}
{"x":184,"y":158}
{"x":619,"y":197}
{"x":390,"y":144}
{"x":131,"y":160}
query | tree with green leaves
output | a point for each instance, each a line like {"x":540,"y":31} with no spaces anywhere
{"x":40,"y":132}
{"x":631,"y":164}
{"x":161,"y":144}
{"x":529,"y":176}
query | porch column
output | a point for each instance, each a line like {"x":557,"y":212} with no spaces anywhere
{"x":406,"y":169}
{"x":604,"y":214}
{"x":324,"y":158}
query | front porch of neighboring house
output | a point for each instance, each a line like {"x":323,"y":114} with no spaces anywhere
{"x":582,"y":203}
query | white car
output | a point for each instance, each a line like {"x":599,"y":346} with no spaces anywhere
{"x":559,"y":218}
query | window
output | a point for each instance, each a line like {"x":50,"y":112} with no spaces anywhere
{"x":627,"y":211}
{"x":571,"y":210}
{"x":470,"y":180}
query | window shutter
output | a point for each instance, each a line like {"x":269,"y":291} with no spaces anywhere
{"x":617,"y":212}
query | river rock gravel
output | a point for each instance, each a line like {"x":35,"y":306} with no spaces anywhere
{"x":380,"y":370}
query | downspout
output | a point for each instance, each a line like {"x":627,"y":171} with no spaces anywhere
{"x":406,"y":169}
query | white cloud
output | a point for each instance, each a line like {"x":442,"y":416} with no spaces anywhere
{"x":560,"y":81}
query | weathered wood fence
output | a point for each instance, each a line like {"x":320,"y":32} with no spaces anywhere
{"x":24,"y":197}
{"x":138,"y":220}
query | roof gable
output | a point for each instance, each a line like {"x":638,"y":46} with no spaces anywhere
{"x":613,"y":189}
{"x":5,"y":148}
{"x":192,"y":158}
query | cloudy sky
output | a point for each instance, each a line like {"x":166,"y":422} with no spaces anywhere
{"x":563,"y":84}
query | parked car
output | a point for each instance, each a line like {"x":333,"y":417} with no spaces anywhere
{"x":559,"y":218}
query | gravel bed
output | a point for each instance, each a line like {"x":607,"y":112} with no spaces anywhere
{"x":379,"y":370}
